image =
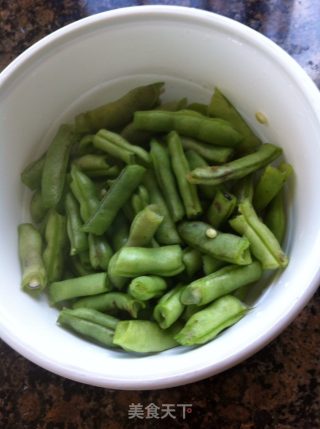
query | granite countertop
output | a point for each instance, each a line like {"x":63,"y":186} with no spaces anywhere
{"x":279,"y":387}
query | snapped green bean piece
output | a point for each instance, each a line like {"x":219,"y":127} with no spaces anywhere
{"x":181,"y":168}
{"x":224,"y":246}
{"x":214,"y":131}
{"x":91,"y":324}
{"x":243,"y":188}
{"x":55,"y":166}
{"x":263,"y":244}
{"x":56,"y":245}
{"x":166,"y":180}
{"x":111,"y":302}
{"x":195,"y":161}
{"x":144,"y":288}
{"x":206,"y":324}
{"x":221,"y":208}
{"x":96,"y":166}
{"x":142,"y":336}
{"x":34,"y":276}
{"x":221,"y":107}
{"x":32,"y":173}
{"x":118,"y":113}
{"x":85,"y":192}
{"x":119,"y":232}
{"x":241,"y":167}
{"x":210,"y":264}
{"x":269,"y":185}
{"x":119,"y":192}
{"x":169,"y":308}
{"x":142,"y":138}
{"x":37,"y":210}
{"x":113,"y":150}
{"x":100,"y":252}
{"x":275,"y":217}
{"x":198,"y":107}
{"x":165,"y":261}
{"x":167,"y":232}
{"x":209,"y":152}
{"x":144,"y":226}
{"x":78,"y":239}
{"x":192,"y":261}
{"x":222,"y":282}
{"x":92,"y":284}
{"x":119,"y":141}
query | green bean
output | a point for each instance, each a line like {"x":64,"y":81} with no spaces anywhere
{"x":120,"y":231}
{"x":192,"y":261}
{"x":142,"y":138}
{"x":55,"y":166}
{"x":85,"y":144}
{"x":221,"y":208}
{"x":94,"y":316}
{"x":169,"y":308}
{"x":241,"y":167}
{"x":118,"y":113}
{"x":37,"y":209}
{"x":210,"y":264}
{"x":56,"y":245}
{"x":209,"y":152}
{"x":85,"y":192}
{"x":121,"y":142}
{"x":142,"y":336}
{"x":92,"y":284}
{"x":78,"y":239}
{"x":167,"y":232}
{"x":225,"y":247}
{"x":111,"y":301}
{"x":190,"y":310}
{"x":214,"y":131}
{"x":137,"y":205}
{"x":166,"y":180}
{"x":165,"y":261}
{"x":206,"y":324}
{"x":144,"y":226}
{"x":139,"y":201}
{"x":100,"y":252}
{"x":243,"y":188}
{"x":112,"y":202}
{"x":96,"y":166}
{"x":181,"y":168}
{"x":242,"y":292}
{"x":32,"y":173}
{"x":78,"y":268}
{"x":95,"y":326}
{"x":144,"y":288}
{"x":195,"y":161}
{"x":199,"y":108}
{"x":275,"y":217}
{"x":117,"y":152}
{"x":34,"y":276}
{"x":222,"y":282}
{"x":222,"y":108}
{"x":263,"y":244}
{"x":137,"y":137}
{"x":269,"y":185}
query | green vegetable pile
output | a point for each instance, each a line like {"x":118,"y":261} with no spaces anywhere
{"x":151,"y":222}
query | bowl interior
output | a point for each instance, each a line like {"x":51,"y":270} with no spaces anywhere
{"x":99,"y":59}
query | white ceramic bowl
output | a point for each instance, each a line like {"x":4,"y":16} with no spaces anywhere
{"x":101,"y":57}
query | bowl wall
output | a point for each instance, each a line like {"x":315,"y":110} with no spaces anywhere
{"x":100,"y":58}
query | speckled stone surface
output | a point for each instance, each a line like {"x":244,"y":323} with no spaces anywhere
{"x":279,"y":387}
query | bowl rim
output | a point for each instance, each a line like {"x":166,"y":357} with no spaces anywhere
{"x":310,"y":91}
